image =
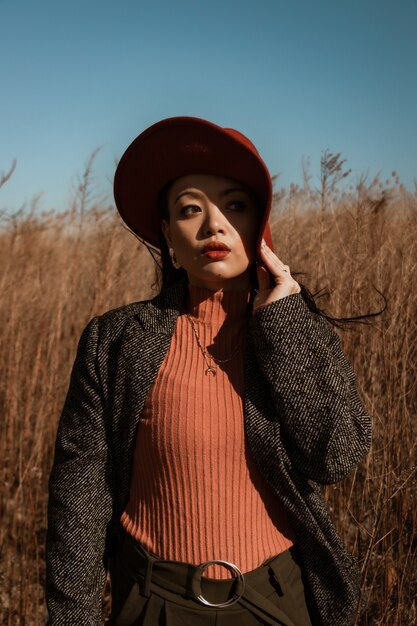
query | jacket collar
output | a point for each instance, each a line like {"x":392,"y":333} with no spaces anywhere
{"x":160,"y":314}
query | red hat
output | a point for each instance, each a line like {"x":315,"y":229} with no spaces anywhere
{"x":178,"y":146}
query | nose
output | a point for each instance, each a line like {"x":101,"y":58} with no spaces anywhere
{"x":214,"y":221}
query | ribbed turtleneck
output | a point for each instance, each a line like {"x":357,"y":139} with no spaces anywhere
{"x":196,"y":494}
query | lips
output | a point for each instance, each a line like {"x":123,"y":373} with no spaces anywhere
{"x":215,"y":246}
{"x":215,"y":251}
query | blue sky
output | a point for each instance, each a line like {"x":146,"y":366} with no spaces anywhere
{"x":297,"y":77}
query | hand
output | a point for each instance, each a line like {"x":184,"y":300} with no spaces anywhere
{"x":285,"y":285}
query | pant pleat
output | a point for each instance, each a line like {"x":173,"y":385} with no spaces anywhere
{"x":273,"y":594}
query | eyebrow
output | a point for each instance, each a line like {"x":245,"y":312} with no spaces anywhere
{"x":192,"y":192}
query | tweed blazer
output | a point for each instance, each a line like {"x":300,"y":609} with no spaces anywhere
{"x":303,"y":418}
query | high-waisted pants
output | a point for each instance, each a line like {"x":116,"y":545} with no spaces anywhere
{"x":148,"y":591}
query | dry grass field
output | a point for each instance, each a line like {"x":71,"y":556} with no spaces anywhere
{"x":59,"y":270}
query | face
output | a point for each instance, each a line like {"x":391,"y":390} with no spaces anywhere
{"x":213,"y":227}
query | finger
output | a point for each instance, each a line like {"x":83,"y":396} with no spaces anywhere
{"x":273,"y":263}
{"x":270,"y":254}
{"x":263,"y":277}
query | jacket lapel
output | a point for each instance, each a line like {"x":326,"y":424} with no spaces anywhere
{"x":144,"y":345}
{"x":159,"y":315}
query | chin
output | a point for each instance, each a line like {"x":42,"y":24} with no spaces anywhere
{"x":217,"y":282}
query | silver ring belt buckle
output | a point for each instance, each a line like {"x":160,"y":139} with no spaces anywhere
{"x":239,"y":584}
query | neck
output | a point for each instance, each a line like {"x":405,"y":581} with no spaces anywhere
{"x":217,"y":307}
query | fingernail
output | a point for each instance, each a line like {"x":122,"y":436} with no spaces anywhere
{"x":263,"y":243}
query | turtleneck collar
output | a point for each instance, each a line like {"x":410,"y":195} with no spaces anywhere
{"x":217,"y":307}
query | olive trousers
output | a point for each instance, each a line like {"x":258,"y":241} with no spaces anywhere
{"x":148,"y":591}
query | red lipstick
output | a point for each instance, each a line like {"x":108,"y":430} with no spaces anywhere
{"x":215,"y":250}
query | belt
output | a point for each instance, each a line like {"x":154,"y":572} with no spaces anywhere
{"x":185,"y":579}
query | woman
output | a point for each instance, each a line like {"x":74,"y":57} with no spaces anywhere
{"x":199,"y":426}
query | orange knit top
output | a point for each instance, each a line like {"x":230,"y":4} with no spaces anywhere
{"x":196,"y":494}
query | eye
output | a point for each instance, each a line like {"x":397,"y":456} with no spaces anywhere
{"x":190,"y":209}
{"x":236,"y":205}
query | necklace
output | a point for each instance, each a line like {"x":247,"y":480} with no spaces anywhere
{"x":211,"y":369}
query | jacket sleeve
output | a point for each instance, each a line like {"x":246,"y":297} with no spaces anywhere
{"x":80,"y":496}
{"x":324,"y":425}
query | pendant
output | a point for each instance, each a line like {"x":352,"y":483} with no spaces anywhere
{"x":211,"y":370}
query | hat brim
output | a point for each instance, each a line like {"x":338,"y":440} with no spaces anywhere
{"x":177,"y":147}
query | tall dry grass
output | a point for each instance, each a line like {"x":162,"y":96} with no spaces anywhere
{"x":57,"y":271}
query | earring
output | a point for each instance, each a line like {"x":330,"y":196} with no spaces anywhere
{"x":174,"y":258}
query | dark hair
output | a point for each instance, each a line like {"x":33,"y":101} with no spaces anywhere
{"x":167,"y":275}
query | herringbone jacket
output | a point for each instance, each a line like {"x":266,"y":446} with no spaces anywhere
{"x":304,"y":421}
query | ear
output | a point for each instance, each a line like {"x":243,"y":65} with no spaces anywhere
{"x":166,"y":232}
